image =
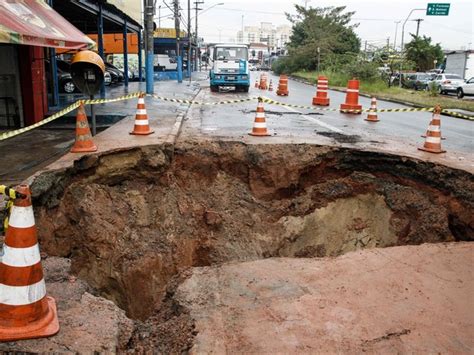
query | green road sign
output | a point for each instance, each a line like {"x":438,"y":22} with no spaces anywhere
{"x":435,"y":9}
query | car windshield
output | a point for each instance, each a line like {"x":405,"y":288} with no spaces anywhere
{"x":231,"y":53}
{"x":452,"y":76}
{"x":423,"y":76}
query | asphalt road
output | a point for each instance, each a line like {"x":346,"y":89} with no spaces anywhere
{"x":313,"y":126}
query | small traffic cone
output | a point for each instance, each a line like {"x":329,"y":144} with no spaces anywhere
{"x":433,"y":135}
{"x":84,"y":142}
{"x":372,"y":115}
{"x":25,"y":310}
{"x":352,"y":98}
{"x":282,"y":89}
{"x":270,"y":86}
{"x":259,"y":125}
{"x":256,"y":83}
{"x":321,"y":98}
{"x":141,"y":127}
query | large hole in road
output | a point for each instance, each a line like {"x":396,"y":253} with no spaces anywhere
{"x":130,"y":220}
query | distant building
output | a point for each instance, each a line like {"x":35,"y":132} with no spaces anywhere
{"x":274,"y":37}
{"x":460,"y":63}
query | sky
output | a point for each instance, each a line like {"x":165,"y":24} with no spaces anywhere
{"x":376,"y":19}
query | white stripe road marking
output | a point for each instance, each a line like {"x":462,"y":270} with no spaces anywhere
{"x":22,"y":217}
{"x":22,"y":295}
{"x":141,"y":122}
{"x":20,"y":257}
{"x":141,"y":111}
{"x":433,"y":140}
{"x":317,"y":121}
{"x":260,"y":125}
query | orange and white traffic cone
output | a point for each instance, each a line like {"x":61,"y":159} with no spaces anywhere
{"x":25,"y":310}
{"x":263,"y":82}
{"x":282,"y":89}
{"x":142,"y":126}
{"x":352,"y":98}
{"x":270,"y":86}
{"x":321,"y":98}
{"x":372,"y":115}
{"x":84,"y":142}
{"x":259,"y":125}
{"x":433,"y":135}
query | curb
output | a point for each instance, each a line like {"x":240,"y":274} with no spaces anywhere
{"x":378,"y":98}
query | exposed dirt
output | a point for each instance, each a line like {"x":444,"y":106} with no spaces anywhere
{"x":131,"y":221}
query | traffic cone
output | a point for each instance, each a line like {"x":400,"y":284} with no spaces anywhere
{"x":25,"y":310}
{"x":282,"y":89}
{"x":259,"y":125}
{"x":142,"y":126}
{"x":321,"y":98}
{"x":84,"y":142}
{"x":263,"y":82}
{"x":270,"y":86}
{"x":372,"y":115}
{"x":433,"y":135}
{"x":352,"y":98}
{"x":256,"y":83}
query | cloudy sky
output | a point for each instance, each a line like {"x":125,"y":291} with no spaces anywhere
{"x":376,"y":19}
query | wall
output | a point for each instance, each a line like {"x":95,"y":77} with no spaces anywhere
{"x":10,"y":80}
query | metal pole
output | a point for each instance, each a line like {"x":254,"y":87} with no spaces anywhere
{"x":94,"y":125}
{"x":189,"y":40}
{"x":178,"y":53}
{"x":140,"y":76}
{"x":100,"y":40}
{"x":198,"y":50}
{"x":125,"y":52}
{"x":149,"y":10}
{"x":159,"y":16}
{"x":402,"y":50}
{"x":54,"y":72}
{"x":396,"y":32}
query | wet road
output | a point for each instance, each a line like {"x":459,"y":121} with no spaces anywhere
{"x":397,"y":129}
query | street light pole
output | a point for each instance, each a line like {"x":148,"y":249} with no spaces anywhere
{"x":396,"y":32}
{"x":198,"y":49}
{"x":149,"y":11}
{"x":402,"y":50}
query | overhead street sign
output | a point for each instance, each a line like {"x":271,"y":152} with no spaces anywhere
{"x":435,"y":9}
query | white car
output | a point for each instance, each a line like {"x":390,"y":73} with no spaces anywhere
{"x":466,"y":89}
{"x":445,"y":83}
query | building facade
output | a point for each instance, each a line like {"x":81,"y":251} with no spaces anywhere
{"x":274,"y":37}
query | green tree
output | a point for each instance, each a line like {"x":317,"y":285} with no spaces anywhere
{"x":326,"y":28}
{"x":420,"y":51}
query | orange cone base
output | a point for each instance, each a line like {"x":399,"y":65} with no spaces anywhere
{"x":436,"y":151}
{"x":319,"y":101}
{"x":351,"y":107}
{"x":91,"y":148}
{"x":282,"y":93}
{"x":43,"y":328}
{"x":259,"y":134}
{"x":146,"y":133}
{"x":372,"y":118}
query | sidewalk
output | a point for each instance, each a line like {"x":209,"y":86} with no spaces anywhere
{"x":27,"y":153}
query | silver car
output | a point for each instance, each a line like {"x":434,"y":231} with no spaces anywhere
{"x":445,"y":83}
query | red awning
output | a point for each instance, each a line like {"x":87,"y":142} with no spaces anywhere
{"x":34,"y":23}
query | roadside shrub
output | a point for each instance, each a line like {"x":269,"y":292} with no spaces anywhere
{"x":362,"y":71}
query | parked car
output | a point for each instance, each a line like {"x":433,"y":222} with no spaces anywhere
{"x":445,"y":83}
{"x":65,"y":83}
{"x":115,"y":73}
{"x":466,"y":89}
{"x":107,"y":78}
{"x":162,"y":62}
{"x":416,"y":81}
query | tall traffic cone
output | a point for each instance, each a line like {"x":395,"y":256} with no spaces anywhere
{"x":263,"y":82}
{"x":142,"y":126}
{"x":321,"y":98}
{"x":25,"y":310}
{"x":270,"y":86}
{"x":433,"y":135}
{"x":259,"y":125}
{"x":372,"y":115}
{"x":84,"y":142}
{"x":352,"y":98}
{"x":282,"y":89}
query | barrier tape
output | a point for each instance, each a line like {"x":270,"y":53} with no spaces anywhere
{"x":68,"y":109}
{"x":11,"y":193}
{"x":51,"y":118}
{"x":5,"y":214}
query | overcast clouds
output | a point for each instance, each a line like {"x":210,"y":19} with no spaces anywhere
{"x":375,"y":18}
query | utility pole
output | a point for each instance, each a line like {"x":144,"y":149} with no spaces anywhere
{"x":179,"y":61}
{"x":189,"y":41}
{"x":198,"y":49}
{"x":388,"y":43}
{"x":149,"y":12}
{"x":159,"y":16}
{"x":418,"y":20}
{"x":396,"y":32}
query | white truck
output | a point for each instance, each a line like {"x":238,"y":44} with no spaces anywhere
{"x":229,"y":66}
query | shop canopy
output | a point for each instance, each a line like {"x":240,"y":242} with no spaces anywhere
{"x":34,"y":23}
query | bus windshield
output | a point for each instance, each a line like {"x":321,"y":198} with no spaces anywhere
{"x":230,"y":53}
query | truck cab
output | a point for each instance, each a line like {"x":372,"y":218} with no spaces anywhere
{"x":229,"y":66}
